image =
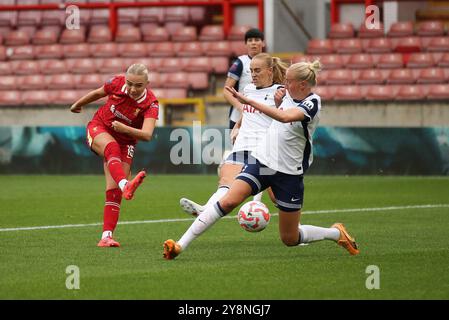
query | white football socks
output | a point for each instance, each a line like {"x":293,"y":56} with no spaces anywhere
{"x":312,"y":233}
{"x":106,"y":234}
{"x":203,"y":222}
{"x":221,"y":191}
{"x":122,"y":184}
{"x":258,"y":197}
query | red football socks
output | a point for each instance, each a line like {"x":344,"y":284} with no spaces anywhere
{"x":112,"y":209}
{"x":112,"y":155}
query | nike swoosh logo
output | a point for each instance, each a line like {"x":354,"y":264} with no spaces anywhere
{"x":293,"y":199}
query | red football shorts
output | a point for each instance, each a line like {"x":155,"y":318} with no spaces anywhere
{"x":94,"y":128}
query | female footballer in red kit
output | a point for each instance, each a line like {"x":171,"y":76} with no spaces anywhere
{"x":129,"y":114}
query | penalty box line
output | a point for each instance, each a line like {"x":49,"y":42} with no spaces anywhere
{"x":391,"y":208}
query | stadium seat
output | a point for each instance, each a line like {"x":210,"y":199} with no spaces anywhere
{"x":185,"y":34}
{"x":438,"y":44}
{"x":348,"y":93}
{"x":48,"y":35}
{"x":401,"y":76}
{"x":73,"y":36}
{"x":10,"y":98}
{"x":329,"y":61}
{"x":17,"y":38}
{"x":390,"y":60}
{"x":29,"y":17}
{"x":217,"y":48}
{"x":341,"y":30}
{"x":128,"y":33}
{"x":444,"y":61}
{"x":154,"y":34}
{"x":6,"y":68}
{"x":238,"y":48}
{"x":175,"y":80}
{"x":410,"y":92}
{"x":237,"y":33}
{"x":99,"y":16}
{"x":151,"y":14}
{"x":76,"y":50}
{"x":190,"y":49}
{"x":10,"y":83}
{"x":401,"y":29}
{"x":99,"y":34}
{"x":172,"y":65}
{"x":138,"y":49}
{"x":175,"y":93}
{"x":49,"y":51}
{"x":325,"y":92}
{"x":431,"y":75}
{"x":420,"y":60}
{"x":212,"y":33}
{"x":127,"y":15}
{"x":90,"y":81}
{"x":438,"y":92}
{"x":61,"y":81}
{"x":198,"y":64}
{"x":198,"y":80}
{"x":364,"y":32}
{"x":430,"y":28}
{"x":154,"y":79}
{"x":220,"y":65}
{"x":85,"y":14}
{"x":176,"y":14}
{"x":339,"y":77}
{"x":8,"y":18}
{"x":33,"y":82}
{"x":83,"y":65}
{"x":104,"y":50}
{"x":21,"y":52}
{"x":407,"y":44}
{"x":159,"y":93}
{"x":352,"y":45}
{"x":360,"y":61}
{"x":378,"y":45}
{"x":197,"y":16}
{"x":66,"y":97}
{"x":378,"y":93}
{"x":2,"y":53}
{"x":52,"y":66}
{"x":372,"y":76}
{"x":163,"y":49}
{"x":24,"y":67}
{"x":37,"y":97}
{"x":113,"y":65}
{"x":320,"y":46}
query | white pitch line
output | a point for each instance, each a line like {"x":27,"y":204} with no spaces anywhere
{"x":424,"y":206}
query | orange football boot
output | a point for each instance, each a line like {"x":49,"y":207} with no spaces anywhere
{"x":131,"y":186}
{"x":171,"y":249}
{"x":346,"y":241}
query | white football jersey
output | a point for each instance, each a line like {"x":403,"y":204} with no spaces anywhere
{"x":254,"y":123}
{"x":240,"y":71}
{"x":288,"y":147}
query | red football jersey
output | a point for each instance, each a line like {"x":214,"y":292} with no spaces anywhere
{"x":123,"y":108}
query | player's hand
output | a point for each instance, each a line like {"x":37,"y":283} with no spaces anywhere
{"x":75,"y":108}
{"x":119,"y":127}
{"x":240,"y":97}
{"x":279,"y":95}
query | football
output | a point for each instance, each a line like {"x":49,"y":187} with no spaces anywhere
{"x":254,"y":216}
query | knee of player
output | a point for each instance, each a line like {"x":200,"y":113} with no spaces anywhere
{"x":290,"y":240}
{"x":228,"y":203}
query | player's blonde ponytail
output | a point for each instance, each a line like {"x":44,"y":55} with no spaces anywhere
{"x":138,"y":69}
{"x":307,"y":71}
{"x":279,"y":67}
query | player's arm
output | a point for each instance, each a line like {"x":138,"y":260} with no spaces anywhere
{"x":144,"y":134}
{"x":230,"y":82}
{"x":289,"y":115}
{"x":235,"y":130}
{"x":88,"y":98}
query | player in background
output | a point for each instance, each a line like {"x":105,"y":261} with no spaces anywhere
{"x":268,"y":74}
{"x":129,"y":114}
{"x":280,"y":161}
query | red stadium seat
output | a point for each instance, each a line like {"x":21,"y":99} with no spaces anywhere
{"x":151,"y":14}
{"x":99,"y":34}
{"x":73,"y":36}
{"x":6,"y":68}
{"x":17,"y":38}
{"x":33,"y":82}
{"x":175,"y":93}
{"x":49,"y":51}
{"x":217,"y":48}
{"x":431,"y":75}
{"x":61,"y":81}
{"x":154,"y":78}
{"x":8,"y":18}
{"x":46,"y":36}
{"x":325,"y":92}
{"x":199,"y":64}
{"x":29,"y":17}
{"x":410,"y":92}
{"x":190,"y":49}
{"x":197,"y":15}
{"x":372,"y":76}
{"x":154,"y":34}
{"x":198,"y":80}
{"x":21,"y":52}
{"x":2,"y":53}
{"x":360,"y":61}
{"x":10,"y":83}
{"x":320,"y":46}
{"x":430,"y":28}
{"x":444,"y":61}
{"x":237,"y":33}
{"x":176,"y":14}
{"x":401,"y":29}
{"x":37,"y":97}
{"x":90,"y":81}
{"x":85,"y":14}
{"x":128,"y":15}
{"x":420,"y":60}
{"x":352,"y":45}
{"x":379,"y":45}
{"x":401,"y":76}
{"x":175,"y":80}
{"x":138,"y":49}
{"x":10,"y":98}
{"x":52,"y":66}
{"x":341,"y":30}
{"x":66,"y":97}
{"x":99,"y":16}
{"x":378,"y":93}
{"x":163,"y":49}
{"x":128,"y":33}
{"x":104,"y":50}
{"x":76,"y":50}
{"x":348,"y":93}
{"x":52,"y":17}
{"x":25,"y":67}
{"x":114,"y":65}
{"x":185,"y":34}
{"x":331,"y":61}
{"x":172,"y":65}
{"x":339,"y":77}
{"x":364,"y":32}
{"x":438,"y":44}
{"x":212,"y":33}
{"x":84,"y":65}
{"x":390,"y":60}
{"x":220,"y":65}
{"x":238,"y":48}
{"x":438,"y":92}
{"x":407,"y":44}
{"x":158,"y":92}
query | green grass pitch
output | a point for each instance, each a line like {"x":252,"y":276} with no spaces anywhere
{"x":409,"y":245}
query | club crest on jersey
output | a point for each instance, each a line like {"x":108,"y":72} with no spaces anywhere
{"x":308,"y":104}
{"x":136,"y":112}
